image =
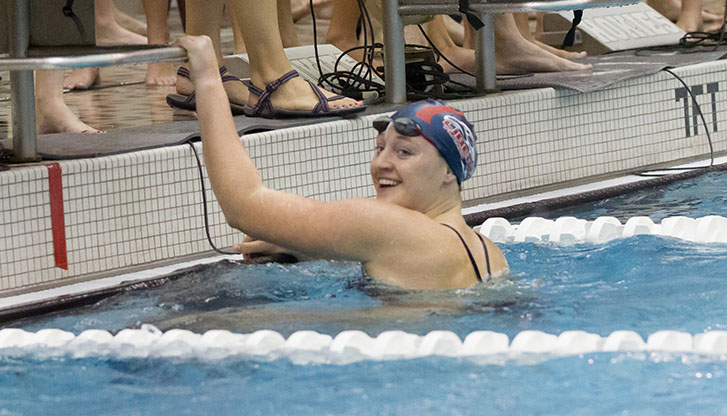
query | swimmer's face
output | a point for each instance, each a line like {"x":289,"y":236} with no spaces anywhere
{"x":408,"y":171}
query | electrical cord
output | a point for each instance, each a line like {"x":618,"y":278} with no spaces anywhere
{"x":706,"y":129}
{"x":692,"y":40}
{"x":440,"y":54}
{"x":204,"y":202}
{"x":359,"y":80}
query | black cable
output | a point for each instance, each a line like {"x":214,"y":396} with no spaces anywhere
{"x":442,"y":55}
{"x":691,"y":40}
{"x":315,"y":38}
{"x":706,"y":129}
{"x":359,"y":79}
{"x":204,"y":202}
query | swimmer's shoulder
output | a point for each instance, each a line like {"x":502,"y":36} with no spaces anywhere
{"x":498,"y":263}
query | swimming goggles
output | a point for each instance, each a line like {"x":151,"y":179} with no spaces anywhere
{"x":404,"y":126}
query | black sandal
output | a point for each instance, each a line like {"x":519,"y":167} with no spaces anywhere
{"x":188,"y":102}
{"x":264,"y":107}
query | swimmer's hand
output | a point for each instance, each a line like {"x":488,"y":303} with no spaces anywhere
{"x":259,"y":251}
{"x":201,"y":55}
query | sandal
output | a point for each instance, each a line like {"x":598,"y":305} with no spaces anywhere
{"x":188,"y":102}
{"x":264,"y":107}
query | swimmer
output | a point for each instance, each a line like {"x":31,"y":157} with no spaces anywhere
{"x":411,"y":235}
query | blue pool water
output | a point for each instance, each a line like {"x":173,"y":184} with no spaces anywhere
{"x":695,"y":197}
{"x":644,"y":284}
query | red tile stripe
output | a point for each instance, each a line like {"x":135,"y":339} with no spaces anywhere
{"x":57,"y":216}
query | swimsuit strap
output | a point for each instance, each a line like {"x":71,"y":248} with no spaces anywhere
{"x":469,"y":253}
{"x":487,"y":255}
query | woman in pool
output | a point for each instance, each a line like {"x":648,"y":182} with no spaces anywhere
{"x":412,"y":235}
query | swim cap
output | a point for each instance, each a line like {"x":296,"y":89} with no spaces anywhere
{"x":448,"y":130}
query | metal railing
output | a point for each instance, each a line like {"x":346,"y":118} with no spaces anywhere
{"x":393,"y":10}
{"x":21,"y":63}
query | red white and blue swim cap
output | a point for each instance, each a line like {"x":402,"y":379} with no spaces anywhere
{"x":448,"y":130}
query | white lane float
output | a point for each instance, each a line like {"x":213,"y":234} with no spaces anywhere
{"x":568,"y":230}
{"x":348,"y":346}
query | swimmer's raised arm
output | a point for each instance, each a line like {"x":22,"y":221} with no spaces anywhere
{"x":413,"y":234}
{"x":338,"y":229}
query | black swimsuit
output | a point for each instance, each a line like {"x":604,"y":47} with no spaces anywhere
{"x":469,"y":253}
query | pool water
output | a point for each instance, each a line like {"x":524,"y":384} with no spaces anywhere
{"x":696,"y":197}
{"x":643,"y":283}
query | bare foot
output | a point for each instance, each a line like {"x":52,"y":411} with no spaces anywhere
{"x":129,"y":23}
{"x":236,"y":91}
{"x":517,"y":55}
{"x":711,"y":22}
{"x":58,"y":118}
{"x":81,"y":79}
{"x":560,"y":52}
{"x":296,"y":94}
{"x":461,"y":57}
{"x":512,"y":57}
{"x":161,"y":73}
{"x":108,"y":32}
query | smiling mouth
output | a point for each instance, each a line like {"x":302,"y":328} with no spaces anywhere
{"x":388,"y":183}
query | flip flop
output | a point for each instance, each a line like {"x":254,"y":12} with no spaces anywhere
{"x":188,"y":102}
{"x":264,"y":107}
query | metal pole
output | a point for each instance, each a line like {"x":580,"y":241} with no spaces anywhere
{"x":485,"y":55}
{"x":394,"y":62}
{"x":21,"y":86}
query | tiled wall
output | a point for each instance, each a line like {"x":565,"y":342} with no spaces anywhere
{"x":144,"y":207}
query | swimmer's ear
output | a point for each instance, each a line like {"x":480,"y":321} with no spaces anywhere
{"x":451,"y":177}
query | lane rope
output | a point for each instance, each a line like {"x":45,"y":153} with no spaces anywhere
{"x":708,"y":229}
{"x":304,"y":347}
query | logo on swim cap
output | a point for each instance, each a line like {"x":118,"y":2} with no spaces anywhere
{"x":464,"y":139}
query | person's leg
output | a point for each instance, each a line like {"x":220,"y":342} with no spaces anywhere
{"x":52,"y":115}
{"x":130,"y":23}
{"x":461,"y":57}
{"x":288,"y":33}
{"x":108,"y":30}
{"x":237,"y":33}
{"x":157,"y":11}
{"x":204,"y":17}
{"x":688,"y":14}
{"x":455,"y":30}
{"x":301,"y":8}
{"x":183,"y":13}
{"x":515,"y":54}
{"x":690,"y":18}
{"x":522,"y":20}
{"x":342,"y":30}
{"x":287,"y":27}
{"x":258,"y":21}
